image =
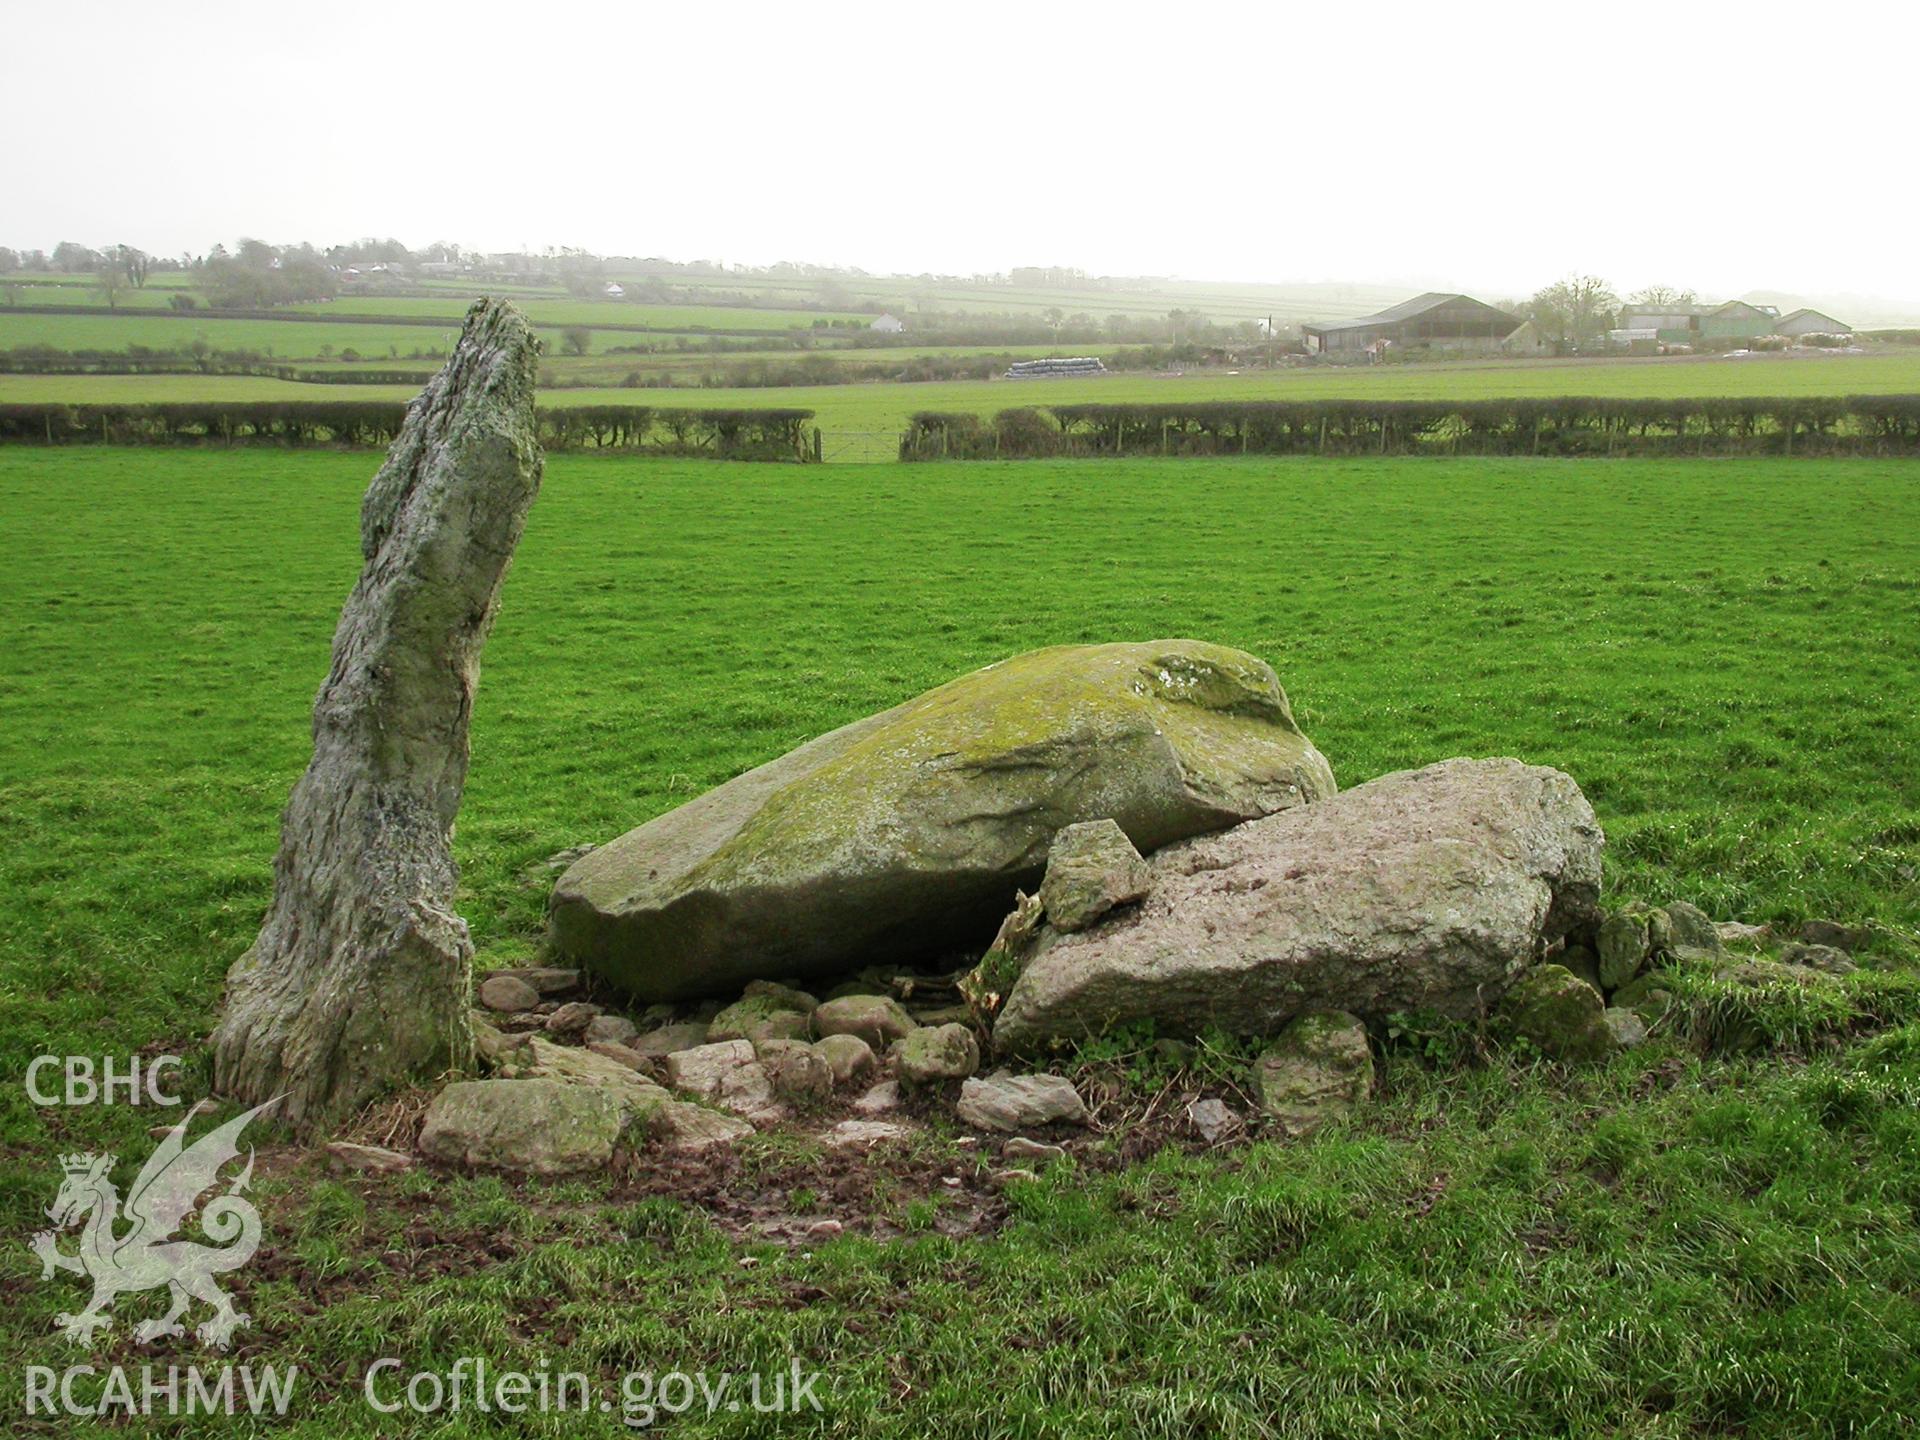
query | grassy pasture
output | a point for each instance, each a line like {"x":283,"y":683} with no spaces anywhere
{"x":1722,"y":653}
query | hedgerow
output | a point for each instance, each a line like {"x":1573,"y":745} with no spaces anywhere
{"x":720,"y":434}
{"x":1574,"y":425}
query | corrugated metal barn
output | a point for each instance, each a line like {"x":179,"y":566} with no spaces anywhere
{"x":1432,"y":321}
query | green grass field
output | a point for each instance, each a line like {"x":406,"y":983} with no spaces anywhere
{"x":1722,"y":653}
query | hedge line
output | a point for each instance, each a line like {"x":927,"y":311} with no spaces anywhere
{"x":1801,"y":425}
{"x":721,"y":434}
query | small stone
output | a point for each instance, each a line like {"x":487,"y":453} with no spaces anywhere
{"x":1733,"y":932}
{"x":506,"y":994}
{"x":880,"y":1100}
{"x":1177,"y":1053}
{"x":700,"y":1070}
{"x":668,"y":1039}
{"x":1829,"y":959}
{"x":1213,"y":1120}
{"x":610,"y":1030}
{"x":491,"y":1044}
{"x":1008,"y":1102}
{"x":748,"y":1091}
{"x":1834,"y":935}
{"x":682,"y":1125}
{"x":549,"y":980}
{"x":1629,"y":1031}
{"x":1560,"y":1013}
{"x":620,"y":1054}
{"x":1091,"y":869}
{"x":1021,"y":1148}
{"x":864,"y":1133}
{"x":785,"y":997}
{"x":1646,"y":997}
{"x":952,"y":1014}
{"x":874,"y":1018}
{"x":824,"y":1229}
{"x":373,"y":1159}
{"x":570,"y":1021}
{"x":1623,"y":945}
{"x":847,"y":1056}
{"x":1691,"y":934}
{"x":796,"y":1070}
{"x":781,"y":1025}
{"x":935,"y":1053}
{"x":1319,"y":1069}
{"x":1001,"y":1179}
{"x":542,"y":1127}
{"x":741,"y":1019}
{"x":546,"y":1060}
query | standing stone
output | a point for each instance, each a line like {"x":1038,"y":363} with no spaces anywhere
{"x":362,"y":973}
{"x":1091,"y":868}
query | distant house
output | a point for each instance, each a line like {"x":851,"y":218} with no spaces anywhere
{"x":614,"y":290}
{"x":1433,"y":321}
{"x":1810,"y":322}
{"x":888,"y":324}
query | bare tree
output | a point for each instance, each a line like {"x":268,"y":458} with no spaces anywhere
{"x":110,"y":280}
{"x":1573,"y":312}
{"x":1654,"y":296}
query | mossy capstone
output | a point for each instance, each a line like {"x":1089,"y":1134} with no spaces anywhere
{"x":907,"y":833}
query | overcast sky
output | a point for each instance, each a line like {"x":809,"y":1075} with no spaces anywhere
{"x":1492,"y":146}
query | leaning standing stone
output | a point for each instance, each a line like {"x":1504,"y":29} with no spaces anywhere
{"x":361,"y":976}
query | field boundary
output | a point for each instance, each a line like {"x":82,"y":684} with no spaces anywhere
{"x":1572,"y":425}
{"x":720,"y":434}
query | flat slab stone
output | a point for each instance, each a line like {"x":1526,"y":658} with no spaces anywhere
{"x":1427,"y":888}
{"x":1015,"y":1102}
{"x":865,"y":1133}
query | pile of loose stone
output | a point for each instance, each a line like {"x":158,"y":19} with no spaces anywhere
{"x":571,"y":1081}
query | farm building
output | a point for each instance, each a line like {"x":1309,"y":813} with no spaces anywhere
{"x":1810,"y":322}
{"x":1737,"y":320}
{"x":1431,"y":321}
{"x":888,"y":324}
{"x":1673,"y":323}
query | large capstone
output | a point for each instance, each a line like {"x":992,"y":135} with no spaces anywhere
{"x":1426,"y":888}
{"x":907,"y":833}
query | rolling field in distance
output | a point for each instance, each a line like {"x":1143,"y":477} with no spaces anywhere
{"x":1721,"y":653}
{"x":879,"y":409}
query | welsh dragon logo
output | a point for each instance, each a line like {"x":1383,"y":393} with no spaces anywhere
{"x":134,"y":1250}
